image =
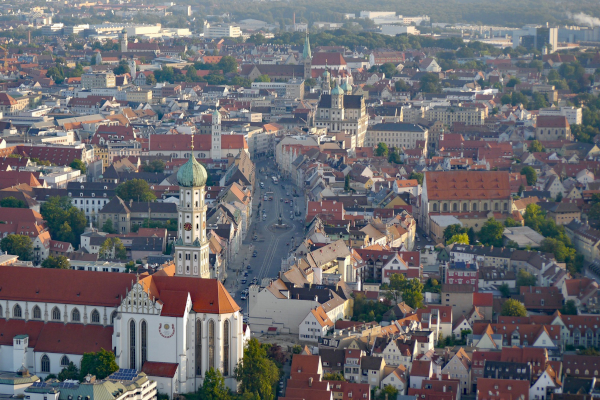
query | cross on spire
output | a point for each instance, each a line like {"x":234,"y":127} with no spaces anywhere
{"x":192,"y":142}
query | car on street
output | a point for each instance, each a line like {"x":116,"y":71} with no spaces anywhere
{"x":254,"y":237}
{"x":249,"y":267}
{"x":287,"y":194}
{"x":244,"y":281}
{"x":424,"y":235}
{"x":243,"y":297}
{"x":418,"y":247}
{"x":246,"y":273}
{"x":254,"y":254}
{"x":245,"y":320}
{"x":281,"y":199}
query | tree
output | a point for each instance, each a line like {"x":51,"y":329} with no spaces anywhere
{"x":430,"y":83}
{"x":452,"y":230}
{"x":297,"y":349}
{"x":12,"y":202}
{"x":513,"y":82}
{"x":71,"y":373}
{"x":59,"y":262}
{"x":108,"y":227}
{"x":559,"y":197}
{"x":491,"y":233}
{"x":347,"y":183}
{"x":227,"y":64}
{"x":100,"y":364}
{"x":510,"y":222}
{"x":389,"y":392}
{"x":513,"y":308}
{"x":536,"y":147}
{"x":418,"y":176}
{"x":263,"y":78}
{"x":530,"y":174}
{"x":255,"y":372}
{"x":401,"y":86}
{"x":78,"y":164}
{"x":589,"y":351}
{"x":569,"y":308}
{"x":122,"y":68}
{"x":154,"y":166}
{"x":18,"y":245}
{"x":213,"y":387}
{"x":461,"y":238}
{"x":504,"y":290}
{"x":136,"y":190}
{"x":411,"y":290}
{"x":524,"y":278}
{"x":112,"y":248}
{"x":381,"y":150}
{"x":65,"y":221}
{"x":334,"y":376}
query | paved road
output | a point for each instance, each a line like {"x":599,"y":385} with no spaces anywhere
{"x":272,"y":244}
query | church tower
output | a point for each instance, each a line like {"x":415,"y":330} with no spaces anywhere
{"x":307,"y":57}
{"x":215,"y":129}
{"x":191,"y":246}
{"x":132,"y":69}
{"x":123,"y":40}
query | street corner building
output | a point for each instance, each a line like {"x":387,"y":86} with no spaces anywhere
{"x":173,"y":325}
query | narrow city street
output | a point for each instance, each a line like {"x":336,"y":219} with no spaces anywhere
{"x":272,"y":244}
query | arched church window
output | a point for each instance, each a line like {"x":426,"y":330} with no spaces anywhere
{"x":211,"y":344}
{"x":144,"y":340}
{"x":132,"y":344}
{"x":198,"y":347}
{"x":226,"y":348}
{"x":75,"y":316}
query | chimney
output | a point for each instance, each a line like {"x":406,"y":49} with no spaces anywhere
{"x":310,"y":380}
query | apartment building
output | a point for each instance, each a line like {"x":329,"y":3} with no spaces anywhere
{"x":98,"y":80}
{"x":449,"y":115}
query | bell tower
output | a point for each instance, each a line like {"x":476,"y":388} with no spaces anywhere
{"x":191,"y":246}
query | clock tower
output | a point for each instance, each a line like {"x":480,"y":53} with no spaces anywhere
{"x":191,"y":246}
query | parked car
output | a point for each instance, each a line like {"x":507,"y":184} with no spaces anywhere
{"x":246,"y":273}
{"x":243,"y":297}
{"x":281,"y":199}
{"x":249,"y":267}
{"x":244,"y":281}
{"x":254,"y":237}
{"x":254,"y":254}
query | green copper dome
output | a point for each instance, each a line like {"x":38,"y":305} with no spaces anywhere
{"x":192,"y":174}
{"x":346,"y":86}
{"x":336,"y":90}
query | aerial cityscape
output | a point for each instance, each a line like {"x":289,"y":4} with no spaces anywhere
{"x":309,"y":200}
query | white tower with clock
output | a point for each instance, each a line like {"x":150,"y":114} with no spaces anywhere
{"x":191,"y":246}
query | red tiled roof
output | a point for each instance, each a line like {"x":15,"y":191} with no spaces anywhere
{"x":330,"y":59}
{"x":483,"y":299}
{"x":13,"y":178}
{"x":60,"y":155}
{"x":167,"y":143}
{"x":470,"y":185}
{"x":160,"y":369}
{"x":552,"y":122}
{"x":57,"y":337}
